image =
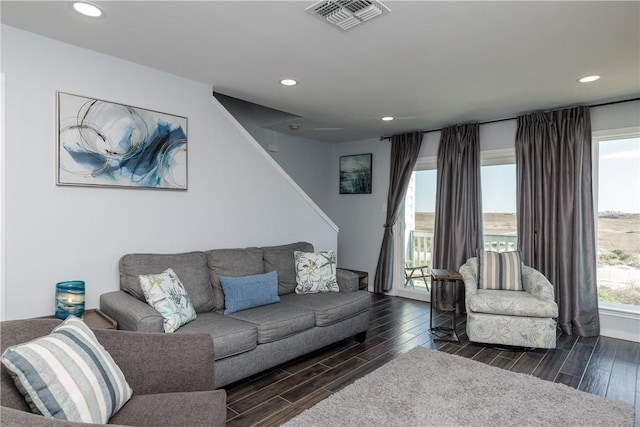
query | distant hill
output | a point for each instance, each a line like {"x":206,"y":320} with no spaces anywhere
{"x":617,"y":230}
{"x":494,"y":223}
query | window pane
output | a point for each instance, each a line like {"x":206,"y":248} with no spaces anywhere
{"x":499,"y":207}
{"x":420,"y":210}
{"x":426,"y":199}
{"x":619,"y":221}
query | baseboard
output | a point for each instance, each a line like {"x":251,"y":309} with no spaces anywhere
{"x":620,"y":323}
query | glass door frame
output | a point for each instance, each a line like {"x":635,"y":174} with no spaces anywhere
{"x":399,"y":230}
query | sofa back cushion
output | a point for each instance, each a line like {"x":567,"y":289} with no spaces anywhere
{"x":281,"y":259}
{"x":190,"y":267}
{"x":232,"y":263}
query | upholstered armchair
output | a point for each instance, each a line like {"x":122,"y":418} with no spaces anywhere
{"x":523,"y":318}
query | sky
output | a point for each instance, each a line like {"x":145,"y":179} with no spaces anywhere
{"x":618,"y":182}
{"x":619,"y":175}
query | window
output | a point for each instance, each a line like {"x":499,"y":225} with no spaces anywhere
{"x":617,"y":199}
{"x":499,"y":206}
{"x":498,"y":180}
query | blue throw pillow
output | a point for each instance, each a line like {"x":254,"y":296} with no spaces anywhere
{"x":241,"y":293}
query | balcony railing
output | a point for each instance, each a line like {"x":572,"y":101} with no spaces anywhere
{"x":500,"y":242}
{"x":420,"y":246}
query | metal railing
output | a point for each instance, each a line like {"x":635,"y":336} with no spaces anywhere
{"x":500,"y":242}
{"x":420,"y":246}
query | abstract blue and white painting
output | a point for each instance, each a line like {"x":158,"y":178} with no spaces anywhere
{"x":103,"y":143}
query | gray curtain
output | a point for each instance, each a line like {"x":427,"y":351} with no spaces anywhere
{"x":458,"y":223}
{"x":556,"y":226}
{"x":404,"y":154}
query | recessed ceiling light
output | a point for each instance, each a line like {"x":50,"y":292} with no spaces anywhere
{"x":288,"y":82}
{"x":87,"y":9}
{"x":387,"y":118}
{"x":587,"y":79}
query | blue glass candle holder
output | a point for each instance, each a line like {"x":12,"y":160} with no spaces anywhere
{"x":69,"y":299}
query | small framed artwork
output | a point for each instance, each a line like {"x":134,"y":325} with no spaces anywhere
{"x":355,"y":174}
{"x":106,"y":144}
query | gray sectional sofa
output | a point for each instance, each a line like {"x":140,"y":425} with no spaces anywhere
{"x":249,"y":341}
{"x":168,"y":382}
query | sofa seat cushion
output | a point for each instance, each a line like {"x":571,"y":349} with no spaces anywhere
{"x":280,"y":259}
{"x":190,"y":267}
{"x":173,"y":409}
{"x":230,"y":336}
{"x":277,"y":321}
{"x":511,"y":303}
{"x":331,"y":307}
{"x":232,"y":263}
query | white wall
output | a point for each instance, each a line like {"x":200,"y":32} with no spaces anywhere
{"x":361,"y":217}
{"x":237,"y":195}
{"x":307,"y":161}
{"x":615,"y":116}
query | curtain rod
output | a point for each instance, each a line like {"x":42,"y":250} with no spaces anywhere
{"x":382,"y":138}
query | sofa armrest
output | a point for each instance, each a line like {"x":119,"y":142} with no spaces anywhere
{"x":347,"y":280}
{"x":131,"y":313}
{"x":537,"y":284}
{"x":156,"y":363}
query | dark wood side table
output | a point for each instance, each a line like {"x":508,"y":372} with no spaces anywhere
{"x":95,"y":319}
{"x":444,"y":278}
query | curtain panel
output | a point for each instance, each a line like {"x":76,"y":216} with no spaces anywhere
{"x":458,"y":222}
{"x":556,"y":224}
{"x":404,"y":154}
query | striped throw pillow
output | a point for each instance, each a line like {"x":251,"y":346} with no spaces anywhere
{"x":499,"y":270}
{"x":68,"y":375}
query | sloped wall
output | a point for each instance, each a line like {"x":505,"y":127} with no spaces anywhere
{"x":238,"y":196}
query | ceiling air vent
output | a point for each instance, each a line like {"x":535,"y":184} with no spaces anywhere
{"x":346,"y":14}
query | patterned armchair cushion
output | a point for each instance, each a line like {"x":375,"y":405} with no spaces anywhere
{"x":511,"y":303}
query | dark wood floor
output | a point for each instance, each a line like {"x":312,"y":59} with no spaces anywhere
{"x":603,"y":366}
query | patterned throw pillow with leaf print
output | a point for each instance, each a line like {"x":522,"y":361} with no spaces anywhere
{"x":167,"y":295}
{"x":315,"y":272}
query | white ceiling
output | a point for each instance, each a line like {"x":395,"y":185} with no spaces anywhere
{"x":427,"y":63}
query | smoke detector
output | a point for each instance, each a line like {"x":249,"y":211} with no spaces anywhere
{"x":346,"y":14}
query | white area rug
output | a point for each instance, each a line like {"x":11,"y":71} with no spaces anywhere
{"x":432,"y":388}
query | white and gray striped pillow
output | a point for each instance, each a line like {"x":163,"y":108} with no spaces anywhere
{"x":499,"y":270}
{"x":68,"y":375}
